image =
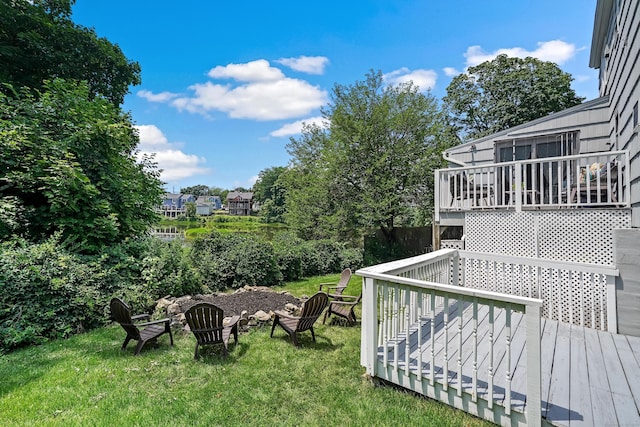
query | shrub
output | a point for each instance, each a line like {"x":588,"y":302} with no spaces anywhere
{"x":167,"y":270}
{"x":235,"y":260}
{"x":45,"y":293}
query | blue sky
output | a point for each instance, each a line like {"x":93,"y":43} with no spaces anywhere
{"x":226,"y":84}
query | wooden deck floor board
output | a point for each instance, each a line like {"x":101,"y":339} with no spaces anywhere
{"x":558,"y":407}
{"x":579,"y":402}
{"x":629,"y":365}
{"x":626,"y":411}
{"x":602,"y":408}
{"x":548,"y":345}
{"x":589,"y":377}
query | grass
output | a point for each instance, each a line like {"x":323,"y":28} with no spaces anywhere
{"x":226,"y":224}
{"x":87,"y":380}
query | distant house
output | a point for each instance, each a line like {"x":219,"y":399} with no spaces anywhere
{"x":174,"y":205}
{"x":205,"y":205}
{"x":239,"y":203}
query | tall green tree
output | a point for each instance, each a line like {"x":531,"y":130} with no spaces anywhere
{"x":269,"y":191}
{"x":69,"y":166}
{"x":506,"y":92}
{"x":372,"y":166}
{"x":38,"y":42}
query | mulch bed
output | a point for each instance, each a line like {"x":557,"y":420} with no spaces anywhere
{"x":251,"y":301}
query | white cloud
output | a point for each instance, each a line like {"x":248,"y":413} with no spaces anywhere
{"x":254,"y":71}
{"x":256,"y":91}
{"x":253,"y":180}
{"x":296,"y":127}
{"x":157,"y":97}
{"x":306,"y":64}
{"x":175,"y":164}
{"x":424,"y":79}
{"x":262,"y":100}
{"x":450,"y":71}
{"x":555,"y":51}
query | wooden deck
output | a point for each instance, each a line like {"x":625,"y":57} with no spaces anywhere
{"x":589,"y":377}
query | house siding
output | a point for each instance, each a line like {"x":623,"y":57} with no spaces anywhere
{"x":619,"y":77}
{"x":591,"y":119}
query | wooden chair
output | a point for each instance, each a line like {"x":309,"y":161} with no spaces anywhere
{"x":206,"y":322}
{"x":343,"y":308}
{"x":311,"y":311}
{"x":335,"y":290}
{"x":121,"y":313}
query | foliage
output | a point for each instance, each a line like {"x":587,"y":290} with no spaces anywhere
{"x":39,"y":42}
{"x":196,"y":190}
{"x":69,"y":166}
{"x":45,"y":293}
{"x":297,"y":258}
{"x":167,"y":270}
{"x":191,"y":210}
{"x":372,"y":165}
{"x":506,"y":92}
{"x":270,"y":192}
{"x":234,"y":260}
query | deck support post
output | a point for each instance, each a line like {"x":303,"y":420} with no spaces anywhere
{"x":534,"y":369}
{"x":369,"y":347}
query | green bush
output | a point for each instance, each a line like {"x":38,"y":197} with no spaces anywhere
{"x":298,"y":258}
{"x":234,"y":260}
{"x":288,"y":251}
{"x":45,"y":293}
{"x":167,"y":270}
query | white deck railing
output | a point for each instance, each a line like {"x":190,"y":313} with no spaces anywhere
{"x":415,"y":309}
{"x":575,"y":293}
{"x":585,"y":180}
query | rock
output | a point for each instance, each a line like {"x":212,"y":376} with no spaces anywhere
{"x":163,"y":303}
{"x":292,"y":308}
{"x":262,"y":316}
{"x":173,"y":309}
{"x":182,"y":300}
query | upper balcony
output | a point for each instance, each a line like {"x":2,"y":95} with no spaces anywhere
{"x":577,"y":181}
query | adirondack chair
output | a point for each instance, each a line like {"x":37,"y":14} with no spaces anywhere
{"x":121,"y":313}
{"x":343,"y":308}
{"x":310,"y":312}
{"x":206,"y":322}
{"x":334,"y":290}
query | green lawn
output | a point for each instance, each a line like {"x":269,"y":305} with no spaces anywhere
{"x":88,"y":381}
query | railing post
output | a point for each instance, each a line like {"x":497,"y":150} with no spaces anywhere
{"x":612,"y":313}
{"x":518,"y":187}
{"x":369,"y":347}
{"x":436,"y":196}
{"x":455,"y":270}
{"x":534,"y":369}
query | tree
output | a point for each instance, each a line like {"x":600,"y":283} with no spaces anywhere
{"x":196,"y":190}
{"x":69,"y":167}
{"x":191,"y":210}
{"x":371,"y":166}
{"x":270,"y":192}
{"x":38,"y":42}
{"x":506,"y":92}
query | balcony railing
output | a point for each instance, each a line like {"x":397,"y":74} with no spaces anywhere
{"x":585,"y":180}
{"x":428,"y":324}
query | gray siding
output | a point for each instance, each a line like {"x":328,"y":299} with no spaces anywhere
{"x":619,"y":77}
{"x":590,"y":118}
